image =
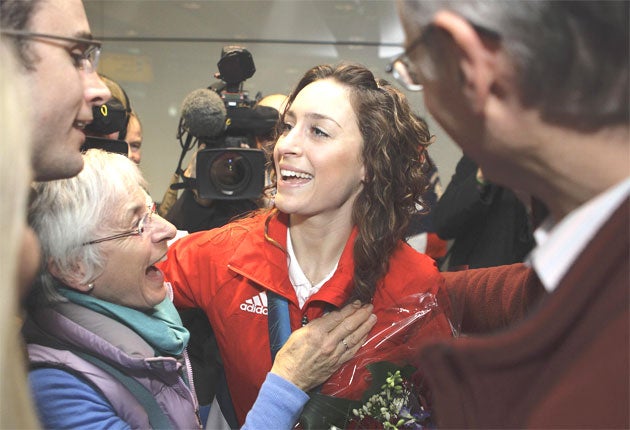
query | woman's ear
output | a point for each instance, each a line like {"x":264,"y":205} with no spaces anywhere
{"x":476,"y":58}
{"x":74,"y":279}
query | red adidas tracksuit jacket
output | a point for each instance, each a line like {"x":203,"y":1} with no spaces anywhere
{"x":227,"y":271}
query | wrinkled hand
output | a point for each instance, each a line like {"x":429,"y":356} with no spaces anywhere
{"x":317,"y":350}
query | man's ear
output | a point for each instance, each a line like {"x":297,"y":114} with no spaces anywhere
{"x":72,"y":280}
{"x":477,"y":60}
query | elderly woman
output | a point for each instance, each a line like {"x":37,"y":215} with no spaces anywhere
{"x":106,"y":345}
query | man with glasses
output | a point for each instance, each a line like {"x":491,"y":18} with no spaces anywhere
{"x":537,"y":94}
{"x":59,"y":58}
{"x":57,"y":64}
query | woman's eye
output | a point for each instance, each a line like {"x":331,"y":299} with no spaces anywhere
{"x":319,"y":132}
{"x":286,"y":127}
{"x":137,"y":220}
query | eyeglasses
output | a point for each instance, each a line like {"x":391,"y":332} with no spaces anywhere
{"x":87,"y":60}
{"x":401,"y":67}
{"x":143,"y":224}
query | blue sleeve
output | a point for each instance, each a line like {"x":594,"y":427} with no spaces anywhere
{"x":64,"y":401}
{"x":278,"y":406}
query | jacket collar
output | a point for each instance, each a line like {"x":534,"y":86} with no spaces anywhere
{"x":265,"y":263}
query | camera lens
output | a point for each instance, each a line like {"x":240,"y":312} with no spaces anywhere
{"x":230,"y":172}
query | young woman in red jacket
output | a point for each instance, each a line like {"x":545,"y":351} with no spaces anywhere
{"x":346,"y":179}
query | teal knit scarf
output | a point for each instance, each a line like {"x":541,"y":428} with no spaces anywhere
{"x":161,"y":327}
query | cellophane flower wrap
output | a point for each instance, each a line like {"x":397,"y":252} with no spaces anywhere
{"x":392,"y":345}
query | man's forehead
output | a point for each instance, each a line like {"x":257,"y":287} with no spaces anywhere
{"x":62,"y":17}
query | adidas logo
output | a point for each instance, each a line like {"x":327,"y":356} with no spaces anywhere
{"x":256,"y":305}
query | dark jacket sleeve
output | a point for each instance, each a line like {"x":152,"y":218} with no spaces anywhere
{"x":464,"y":202}
{"x":485,"y":300}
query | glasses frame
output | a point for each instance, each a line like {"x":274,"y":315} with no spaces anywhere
{"x":405,"y":61}
{"x":88,"y":58}
{"x":142,"y":224}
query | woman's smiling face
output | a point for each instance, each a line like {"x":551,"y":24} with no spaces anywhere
{"x":318,"y":155}
{"x":129,"y":277}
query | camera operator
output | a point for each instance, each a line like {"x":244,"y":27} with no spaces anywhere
{"x":273,"y":102}
{"x":223,"y":181}
{"x":108,"y":129}
{"x":134,"y":137}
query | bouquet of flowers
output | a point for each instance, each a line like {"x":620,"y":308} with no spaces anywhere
{"x":382,"y":386}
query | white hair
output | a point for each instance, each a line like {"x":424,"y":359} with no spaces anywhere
{"x":571,"y":58}
{"x":67,"y":213}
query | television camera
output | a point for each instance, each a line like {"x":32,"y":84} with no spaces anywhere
{"x":226,"y":120}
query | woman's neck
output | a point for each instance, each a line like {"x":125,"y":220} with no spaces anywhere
{"x":317,"y":245}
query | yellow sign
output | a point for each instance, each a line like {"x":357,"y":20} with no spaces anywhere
{"x":126,"y":67}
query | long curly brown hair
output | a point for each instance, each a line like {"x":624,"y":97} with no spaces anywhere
{"x":394,"y":145}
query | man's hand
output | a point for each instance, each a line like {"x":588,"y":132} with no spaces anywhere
{"x":317,"y":350}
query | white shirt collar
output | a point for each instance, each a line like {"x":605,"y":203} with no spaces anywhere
{"x":558,"y":245}
{"x":301,"y":284}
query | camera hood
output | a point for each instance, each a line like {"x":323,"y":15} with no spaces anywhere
{"x":236,"y":65}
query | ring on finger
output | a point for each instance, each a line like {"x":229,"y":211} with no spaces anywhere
{"x":345,"y":344}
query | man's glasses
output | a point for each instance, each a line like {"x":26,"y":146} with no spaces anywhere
{"x":87,"y":60}
{"x":143,"y":224}
{"x":402,"y":67}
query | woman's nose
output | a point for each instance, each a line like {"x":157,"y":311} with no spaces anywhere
{"x":289,"y":142}
{"x":162,"y":229}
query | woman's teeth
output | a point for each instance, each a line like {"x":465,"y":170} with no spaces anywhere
{"x":286,"y":174}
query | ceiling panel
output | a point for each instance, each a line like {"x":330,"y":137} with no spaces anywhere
{"x":316,"y":21}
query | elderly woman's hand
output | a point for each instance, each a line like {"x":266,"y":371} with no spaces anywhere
{"x":317,"y":350}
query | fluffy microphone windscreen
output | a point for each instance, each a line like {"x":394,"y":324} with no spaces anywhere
{"x":203,"y":113}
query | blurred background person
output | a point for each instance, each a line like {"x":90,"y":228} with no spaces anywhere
{"x":19,"y":250}
{"x":421,"y":234}
{"x":134,"y":137}
{"x":119,"y":95}
{"x":116,"y":126}
{"x":108,"y":130}
{"x":271,"y":105}
{"x":488,"y":224}
{"x":106,"y":345}
{"x":60,"y":69}
{"x":276,"y":102}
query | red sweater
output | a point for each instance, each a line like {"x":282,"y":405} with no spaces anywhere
{"x":227,"y":271}
{"x":566,"y":365}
